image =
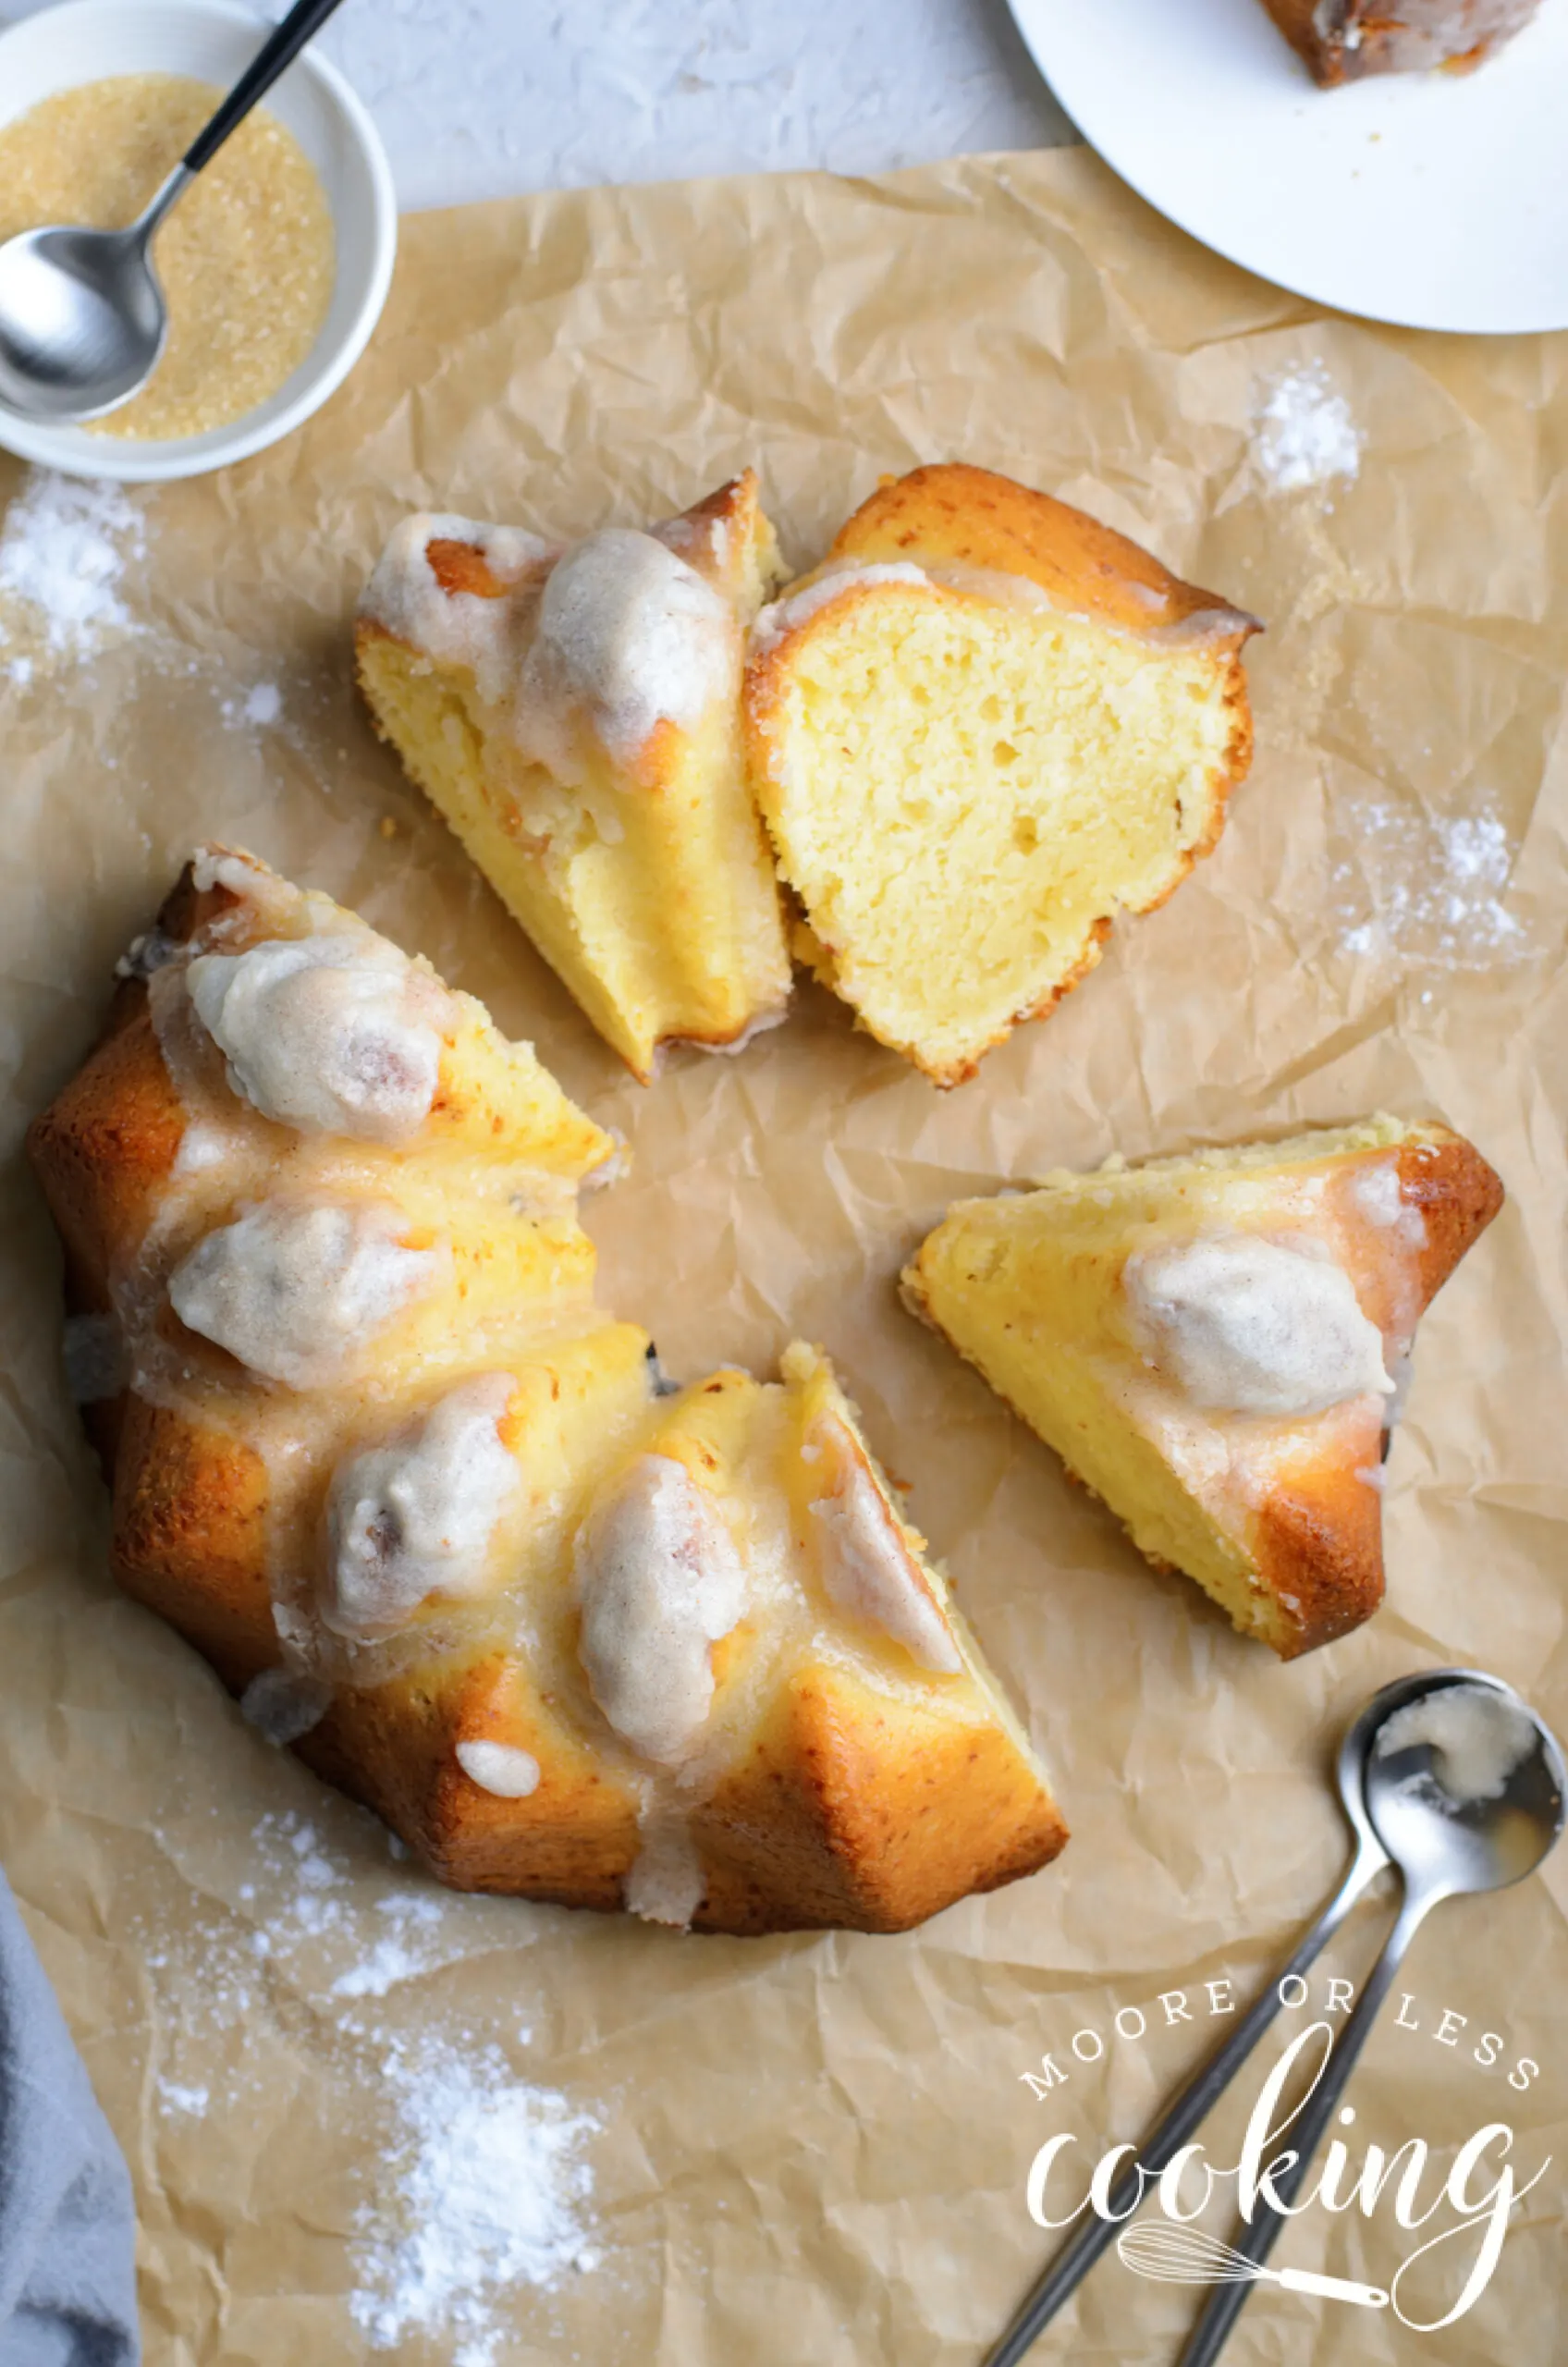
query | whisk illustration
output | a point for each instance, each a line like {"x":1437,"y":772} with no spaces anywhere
{"x":1186,"y":2256}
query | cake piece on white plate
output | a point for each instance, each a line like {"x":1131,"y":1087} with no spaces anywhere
{"x":1343,"y":39}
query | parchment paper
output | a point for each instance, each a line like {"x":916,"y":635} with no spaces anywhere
{"x":813,"y":2150}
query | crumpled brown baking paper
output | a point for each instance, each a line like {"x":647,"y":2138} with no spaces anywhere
{"x":814,"y":2149}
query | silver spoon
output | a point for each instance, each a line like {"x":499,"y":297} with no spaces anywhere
{"x":1445,"y":1847}
{"x":83,"y":318}
{"x":1195,"y":2101}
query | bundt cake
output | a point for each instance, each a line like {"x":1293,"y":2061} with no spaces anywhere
{"x":1342,"y":40}
{"x":1214,"y":1345}
{"x":575,"y":1633}
{"x":575,"y":716}
{"x":983,"y":726}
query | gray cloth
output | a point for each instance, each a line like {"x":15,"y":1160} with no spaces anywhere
{"x":67,"y":2220}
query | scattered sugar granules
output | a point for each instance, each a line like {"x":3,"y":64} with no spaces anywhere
{"x":1303,"y":432}
{"x":65,"y":546}
{"x":1426,"y":887}
{"x":488,"y":2193}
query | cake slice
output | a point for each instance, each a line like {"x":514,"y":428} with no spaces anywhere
{"x":575,"y":716}
{"x":984,"y":727}
{"x":1342,"y":40}
{"x":1214,"y":1345}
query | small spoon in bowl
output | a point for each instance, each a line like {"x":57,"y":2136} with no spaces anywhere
{"x":1463,"y":1787}
{"x":83,"y":318}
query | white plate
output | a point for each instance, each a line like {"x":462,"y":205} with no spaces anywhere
{"x":215,"y":41}
{"x":1437,"y":200}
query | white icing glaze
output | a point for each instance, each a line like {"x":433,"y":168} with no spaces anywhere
{"x":333,"y":1034}
{"x":660,"y":1581}
{"x":418,"y":1515}
{"x":627,"y":635}
{"x":1375,"y":1192}
{"x":1243,"y":1325}
{"x":456,"y":628}
{"x":623,"y":633}
{"x":202,"y":1146}
{"x":685,"y":534}
{"x":297,"y":1290}
{"x":1004,"y":587}
{"x":866,"y":1565}
{"x":499,"y":1768}
{"x":667,"y":1881}
{"x":785,"y":616}
{"x":1478,"y":1738}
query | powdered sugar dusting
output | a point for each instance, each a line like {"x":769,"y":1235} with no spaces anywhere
{"x":1303,"y":432}
{"x":490,"y":2194}
{"x":63,"y":549}
{"x":479,"y":2191}
{"x":404,"y":1951}
{"x":1415,"y":885}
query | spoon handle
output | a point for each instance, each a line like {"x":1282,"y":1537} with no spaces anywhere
{"x":1072,"y":2265}
{"x":281,"y":48}
{"x":1306,"y":2133}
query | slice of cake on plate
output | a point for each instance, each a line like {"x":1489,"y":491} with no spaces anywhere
{"x":1214,"y":1345}
{"x":1342,"y":40}
{"x":575,"y":716}
{"x":984,"y":727}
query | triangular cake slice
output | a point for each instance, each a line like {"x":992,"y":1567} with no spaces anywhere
{"x":575,"y":716}
{"x":1214,"y":1345}
{"x":984,"y":727}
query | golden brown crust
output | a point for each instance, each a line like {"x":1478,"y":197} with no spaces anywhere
{"x":1458,"y":1194}
{"x":1318,"y":1547}
{"x":854,"y":1809}
{"x":191,"y":1536}
{"x":851,"y":1810}
{"x":953,"y":512}
{"x":570,"y":1842}
{"x":1320,"y":1542}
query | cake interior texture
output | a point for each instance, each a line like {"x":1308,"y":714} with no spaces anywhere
{"x":972,"y":760}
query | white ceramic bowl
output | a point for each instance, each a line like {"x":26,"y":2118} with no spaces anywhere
{"x":83,"y":41}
